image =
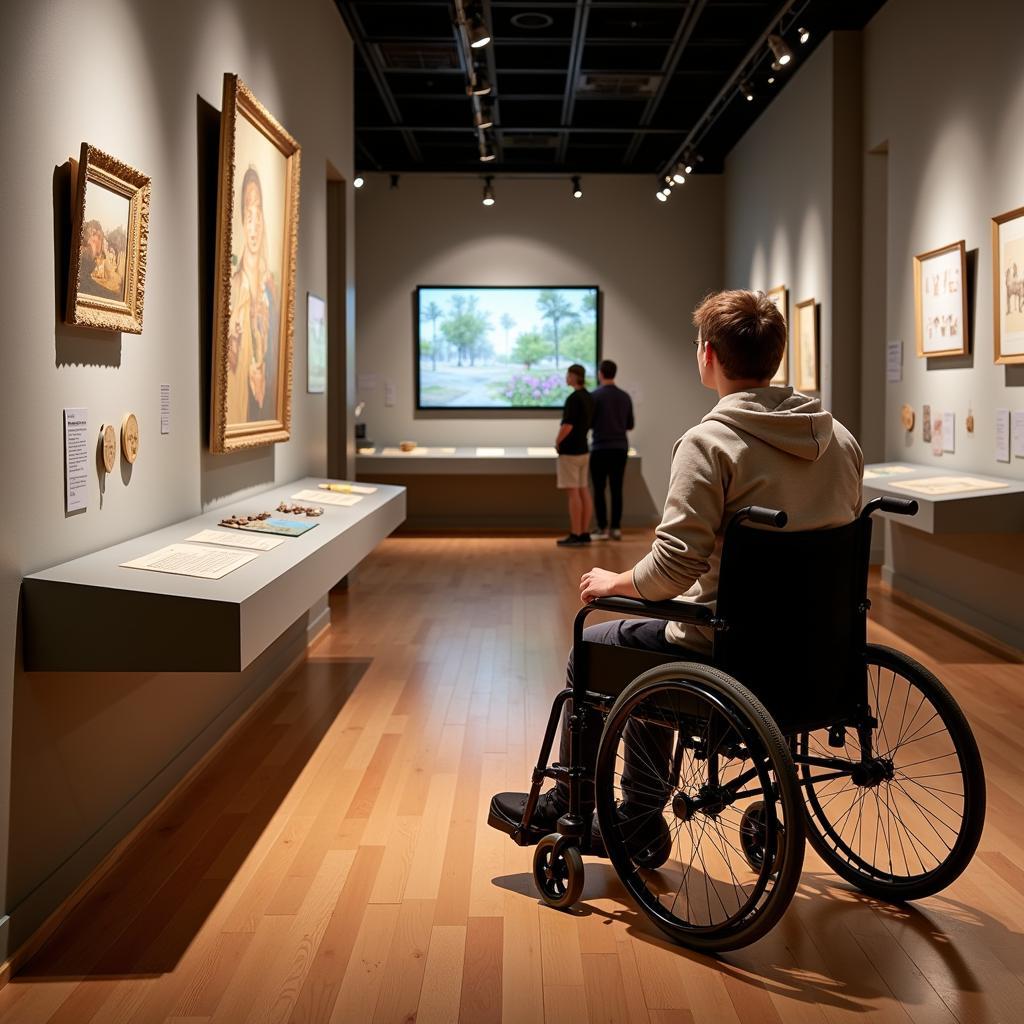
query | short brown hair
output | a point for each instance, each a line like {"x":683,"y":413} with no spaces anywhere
{"x":577,"y":371}
{"x":746,"y":330}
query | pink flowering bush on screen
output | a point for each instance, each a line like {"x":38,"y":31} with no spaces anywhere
{"x":531,"y":389}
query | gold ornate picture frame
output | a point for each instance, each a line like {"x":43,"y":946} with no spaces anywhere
{"x":940,"y":301}
{"x":779,"y":298}
{"x":254,"y":287}
{"x":1008,"y":286}
{"x":109,"y":238}
{"x":805,"y":345}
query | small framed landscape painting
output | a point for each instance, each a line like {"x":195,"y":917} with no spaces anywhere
{"x":109,"y":235}
{"x":779,"y":297}
{"x":316,"y":344}
{"x":1008,"y":286}
{"x":254,"y":284}
{"x":805,"y":341}
{"x":940,"y":301}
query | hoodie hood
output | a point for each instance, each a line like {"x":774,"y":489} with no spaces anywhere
{"x":780,"y":417}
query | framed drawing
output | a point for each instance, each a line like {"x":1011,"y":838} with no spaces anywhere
{"x":109,"y":234}
{"x":805,"y":345}
{"x":1008,"y":286}
{"x":316,"y":344}
{"x":779,"y":298}
{"x":940,"y":301}
{"x":254,"y":287}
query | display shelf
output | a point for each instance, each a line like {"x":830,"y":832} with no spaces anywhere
{"x":999,"y":509}
{"x":462,"y":460}
{"x":91,"y":614}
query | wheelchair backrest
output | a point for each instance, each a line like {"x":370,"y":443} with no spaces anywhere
{"x":794,"y":611}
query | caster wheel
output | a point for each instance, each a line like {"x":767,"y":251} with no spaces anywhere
{"x":558,"y":874}
{"x":752,"y":836}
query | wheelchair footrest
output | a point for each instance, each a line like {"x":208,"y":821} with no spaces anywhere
{"x":498,"y":817}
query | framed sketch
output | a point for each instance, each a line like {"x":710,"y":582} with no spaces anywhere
{"x":316,"y":344}
{"x":940,"y":301}
{"x":1008,"y":286}
{"x":779,"y":298}
{"x":109,"y":234}
{"x":254,"y":287}
{"x":805,"y":345}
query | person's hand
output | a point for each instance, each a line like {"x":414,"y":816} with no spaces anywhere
{"x":598,"y":583}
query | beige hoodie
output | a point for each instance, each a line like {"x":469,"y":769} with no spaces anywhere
{"x":768,"y":446}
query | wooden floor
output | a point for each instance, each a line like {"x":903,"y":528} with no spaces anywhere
{"x":333,"y":863}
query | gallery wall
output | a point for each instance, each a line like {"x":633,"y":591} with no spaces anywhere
{"x":90,"y":754}
{"x":653,"y":262}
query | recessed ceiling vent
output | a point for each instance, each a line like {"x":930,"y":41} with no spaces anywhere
{"x":621,"y":83}
{"x":516,"y":140}
{"x":418,"y":56}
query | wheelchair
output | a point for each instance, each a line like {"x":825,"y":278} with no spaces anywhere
{"x":708,"y":777}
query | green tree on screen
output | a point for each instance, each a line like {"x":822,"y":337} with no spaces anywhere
{"x":433,"y":313}
{"x":466,"y":329}
{"x":579,"y":344}
{"x":531,"y":348}
{"x":507,"y":323}
{"x":557,"y":310}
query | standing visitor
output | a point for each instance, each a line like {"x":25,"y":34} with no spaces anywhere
{"x":609,"y":449}
{"x":573,"y":456}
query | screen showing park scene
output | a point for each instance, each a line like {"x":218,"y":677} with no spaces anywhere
{"x":503,"y":348}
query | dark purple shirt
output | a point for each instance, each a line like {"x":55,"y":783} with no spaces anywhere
{"x":613,"y":416}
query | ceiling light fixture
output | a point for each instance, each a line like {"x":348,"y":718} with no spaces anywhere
{"x":577,"y":189}
{"x":771,"y":80}
{"x":746,"y":91}
{"x":803,"y":35}
{"x":663,"y":195}
{"x":780,"y":49}
{"x":488,"y":199}
{"x":483,"y":118}
{"x":487,"y":153}
{"x":680,"y":173}
{"x":358,"y":181}
{"x":477,"y":32}
{"x":480,"y":85}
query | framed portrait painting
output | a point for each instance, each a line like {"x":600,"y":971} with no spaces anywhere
{"x":316,"y":344}
{"x":779,"y":298}
{"x":940,"y":301}
{"x":805,"y":335}
{"x":1008,"y":286}
{"x":109,"y":235}
{"x":254,"y":286}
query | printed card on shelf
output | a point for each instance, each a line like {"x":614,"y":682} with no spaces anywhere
{"x":205,"y":563}
{"x":328,"y":497}
{"x":234,"y":539}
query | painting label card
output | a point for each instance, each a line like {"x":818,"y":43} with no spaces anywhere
{"x":1002,"y":435}
{"x":949,"y":432}
{"x":389,"y":393}
{"x":76,"y":459}
{"x":894,"y":361}
{"x":165,"y":408}
{"x":204,"y":563}
{"x":939,"y":485}
{"x":328,"y":498}
{"x":316,"y":345}
{"x":232,"y":539}
{"x":1018,"y":435}
{"x":937,"y":446}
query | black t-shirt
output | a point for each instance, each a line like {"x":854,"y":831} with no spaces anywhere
{"x":578,"y":411}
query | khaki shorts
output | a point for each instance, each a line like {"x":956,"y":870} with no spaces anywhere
{"x":572,"y":471}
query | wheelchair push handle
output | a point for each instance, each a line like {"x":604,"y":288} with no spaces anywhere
{"x":897,"y":506}
{"x":762,"y":516}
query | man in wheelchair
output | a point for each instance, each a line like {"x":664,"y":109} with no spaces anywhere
{"x":760,"y":445}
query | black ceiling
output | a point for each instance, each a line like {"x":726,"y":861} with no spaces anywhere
{"x":579,"y":85}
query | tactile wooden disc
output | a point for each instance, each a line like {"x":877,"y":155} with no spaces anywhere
{"x":130,"y":437}
{"x":907,"y":417}
{"x":109,"y":438}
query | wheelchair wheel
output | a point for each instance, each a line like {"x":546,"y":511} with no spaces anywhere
{"x":558,"y":873}
{"x":906,"y":821}
{"x":687,"y":746}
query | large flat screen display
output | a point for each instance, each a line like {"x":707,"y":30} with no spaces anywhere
{"x":503,"y":348}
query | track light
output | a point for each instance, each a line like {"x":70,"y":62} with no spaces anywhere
{"x":477,"y":32}
{"x":680,"y":173}
{"x":488,"y":199}
{"x":780,"y":49}
{"x":483,"y":118}
{"x":577,"y":189}
{"x":663,"y":195}
{"x":358,"y":181}
{"x":688,"y":168}
{"x":487,"y":153}
{"x":746,"y":91}
{"x":480,"y":87}
{"x":803,"y":35}
{"x":771,"y":79}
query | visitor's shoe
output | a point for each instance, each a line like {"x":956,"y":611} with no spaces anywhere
{"x":616,"y":534}
{"x":600,"y":534}
{"x":647,"y":835}
{"x":506,"y":814}
{"x":583,"y":538}
{"x":571,"y":541}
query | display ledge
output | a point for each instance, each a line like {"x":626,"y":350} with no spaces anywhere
{"x":463,"y":459}
{"x":91,"y":614}
{"x":998,"y":508}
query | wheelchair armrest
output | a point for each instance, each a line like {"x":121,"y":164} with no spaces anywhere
{"x":670,"y":611}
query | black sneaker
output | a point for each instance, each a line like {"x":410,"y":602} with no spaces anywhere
{"x":506,"y":814}
{"x":571,"y":541}
{"x":648,"y":837}
{"x":584,"y":538}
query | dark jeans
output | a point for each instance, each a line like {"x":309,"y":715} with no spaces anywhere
{"x":647,"y":746}
{"x":608,"y":466}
